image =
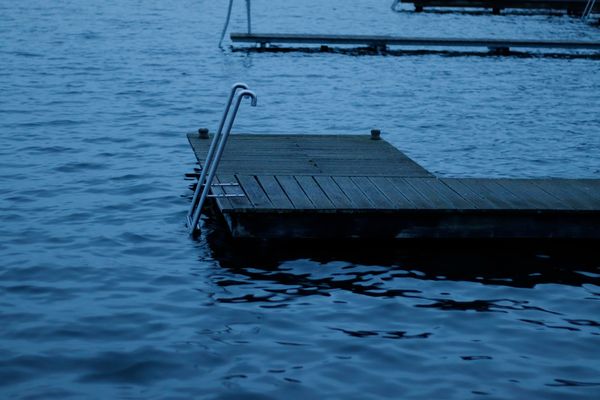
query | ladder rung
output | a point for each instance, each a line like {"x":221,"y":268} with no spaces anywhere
{"x":226,"y":195}
{"x":225,"y":184}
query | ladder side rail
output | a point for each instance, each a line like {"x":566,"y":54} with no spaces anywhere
{"x":217,"y":157}
{"x":209,"y":156}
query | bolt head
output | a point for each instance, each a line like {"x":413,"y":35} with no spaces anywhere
{"x":203,"y":133}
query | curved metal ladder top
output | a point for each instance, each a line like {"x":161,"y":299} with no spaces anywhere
{"x":217,"y":146}
{"x":211,"y":150}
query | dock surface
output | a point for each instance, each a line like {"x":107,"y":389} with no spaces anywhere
{"x":264,"y":39}
{"x":349,"y":186}
{"x":572,"y":6}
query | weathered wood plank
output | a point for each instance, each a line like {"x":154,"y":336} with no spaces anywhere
{"x":532,"y":194}
{"x":274,"y":191}
{"x":233,"y":202}
{"x":222,"y":202}
{"x":589,"y":188}
{"x":471,"y":194}
{"x":254,"y":191}
{"x":353,"y":192}
{"x":496,"y":194}
{"x":310,"y":155}
{"x":371,"y":191}
{"x":386,"y":187}
{"x":570,"y":195}
{"x":440,"y":194}
{"x":414,"y":196}
{"x":314,"y":192}
{"x":294,"y":192}
{"x":333,"y":192}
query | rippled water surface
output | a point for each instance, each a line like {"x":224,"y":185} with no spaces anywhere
{"x":104,"y":295}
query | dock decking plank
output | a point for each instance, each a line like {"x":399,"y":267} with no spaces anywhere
{"x":386,"y":187}
{"x":494,"y":193}
{"x":309,"y":155}
{"x":314,"y":192}
{"x":414,"y":196}
{"x":353,"y":192}
{"x":273,"y":190}
{"x":436,"y":189}
{"x":372,"y":192}
{"x":254,"y":191}
{"x":233,"y":202}
{"x":587,"y":187}
{"x":470,"y":193}
{"x":333,"y":192}
{"x":569,"y":194}
{"x":533,"y":195}
{"x":295,"y":193}
{"x":222,"y":202}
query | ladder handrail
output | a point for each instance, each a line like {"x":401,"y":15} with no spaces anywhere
{"x":212,"y":169}
{"x":588,"y":9}
{"x":209,"y":156}
{"x":228,"y":17}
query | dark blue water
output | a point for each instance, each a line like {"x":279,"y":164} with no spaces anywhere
{"x":104,"y":295}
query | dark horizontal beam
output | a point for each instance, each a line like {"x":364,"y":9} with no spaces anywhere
{"x":379,"y":41}
{"x":574,"y":5}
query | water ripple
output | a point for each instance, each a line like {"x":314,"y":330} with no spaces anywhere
{"x":104,"y":295}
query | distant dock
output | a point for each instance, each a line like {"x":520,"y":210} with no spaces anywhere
{"x":355,"y":186}
{"x":500,"y":46}
{"x":571,"y":6}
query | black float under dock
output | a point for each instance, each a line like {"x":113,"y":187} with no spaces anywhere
{"x":382,"y":42}
{"x":350,"y":186}
{"x":571,"y":6}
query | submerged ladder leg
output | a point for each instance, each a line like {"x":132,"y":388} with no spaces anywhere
{"x":211,"y":170}
{"x":209,"y":156}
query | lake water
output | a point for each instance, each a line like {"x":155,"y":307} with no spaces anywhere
{"x":104,"y":295}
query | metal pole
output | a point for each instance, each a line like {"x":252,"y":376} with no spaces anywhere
{"x":211,"y":150}
{"x":588,"y":9}
{"x":248,"y":17}
{"x":214,"y":165}
{"x":226,"y":23}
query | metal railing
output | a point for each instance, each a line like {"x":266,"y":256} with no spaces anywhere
{"x":228,"y":17}
{"x":213,"y":156}
{"x":588,"y":9}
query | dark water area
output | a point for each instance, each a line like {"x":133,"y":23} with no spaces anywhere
{"x":104,"y":295}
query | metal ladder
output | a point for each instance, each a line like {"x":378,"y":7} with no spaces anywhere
{"x":588,"y":9}
{"x":215,"y":151}
{"x":248,"y":20}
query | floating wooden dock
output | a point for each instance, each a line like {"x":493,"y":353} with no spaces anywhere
{"x":571,"y":6}
{"x":382,"y":42}
{"x":350,"y":186}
